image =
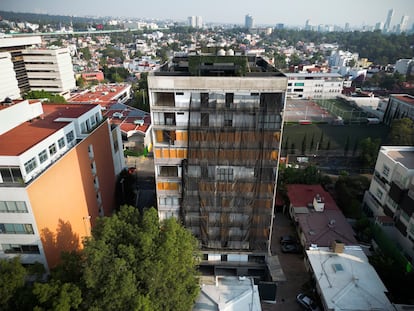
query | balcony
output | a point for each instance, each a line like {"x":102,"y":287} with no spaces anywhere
{"x":396,"y":192}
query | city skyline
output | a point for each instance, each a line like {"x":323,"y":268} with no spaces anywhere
{"x":356,"y":13}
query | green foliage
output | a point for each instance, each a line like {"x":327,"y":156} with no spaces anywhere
{"x":309,"y":175}
{"x":115,"y":74}
{"x":12,"y":277}
{"x":402,"y":132}
{"x":53,"y":98}
{"x":369,"y":151}
{"x":86,"y":53}
{"x":112,"y":52}
{"x":134,"y":263}
{"x":57,"y":296}
{"x":349,"y":193}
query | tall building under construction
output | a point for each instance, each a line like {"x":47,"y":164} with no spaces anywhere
{"x":217,"y":124}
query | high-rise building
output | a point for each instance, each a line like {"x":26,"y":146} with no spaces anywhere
{"x":390,"y":198}
{"x":248,"y":21}
{"x":403,"y":25}
{"x":387,"y":25}
{"x":57,"y":175}
{"x":195,"y":21}
{"x":217,"y":131}
{"x":50,"y":70}
{"x":15,"y":46}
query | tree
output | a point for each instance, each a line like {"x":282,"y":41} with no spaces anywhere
{"x":402,"y":132}
{"x":86,"y":53}
{"x":304,"y":145}
{"x":369,"y":151}
{"x":53,"y":98}
{"x":132,"y":262}
{"x":57,"y":296}
{"x":346,"y":147}
{"x":12,"y":277}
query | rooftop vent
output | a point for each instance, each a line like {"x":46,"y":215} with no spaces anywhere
{"x":318,"y":203}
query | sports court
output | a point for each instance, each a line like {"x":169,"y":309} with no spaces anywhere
{"x":299,"y":109}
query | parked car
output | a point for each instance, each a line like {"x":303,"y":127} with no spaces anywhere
{"x":306,"y":302}
{"x":287,"y":239}
{"x":291,"y":248}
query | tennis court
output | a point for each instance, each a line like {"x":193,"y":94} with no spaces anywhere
{"x":299,"y":110}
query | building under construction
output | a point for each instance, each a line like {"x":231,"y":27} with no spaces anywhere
{"x":217,"y":124}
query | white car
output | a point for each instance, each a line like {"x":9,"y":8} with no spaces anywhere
{"x":307,"y":303}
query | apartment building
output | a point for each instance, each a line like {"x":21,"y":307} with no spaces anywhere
{"x":217,"y":131}
{"x":399,"y":106}
{"x":50,"y":70}
{"x":15,"y":46}
{"x":391,"y":194}
{"x":58,"y":167}
{"x":9,"y":86}
{"x":314,"y":85}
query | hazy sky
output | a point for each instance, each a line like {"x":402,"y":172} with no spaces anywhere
{"x":290,"y":12}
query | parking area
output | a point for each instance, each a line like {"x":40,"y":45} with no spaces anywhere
{"x":293,"y":267}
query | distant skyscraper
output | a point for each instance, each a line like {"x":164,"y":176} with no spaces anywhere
{"x":379,"y":26}
{"x":347,"y":27}
{"x":195,"y":21}
{"x":308,"y":25}
{"x":403,"y":24}
{"x":248,"y":21}
{"x":388,"y":20}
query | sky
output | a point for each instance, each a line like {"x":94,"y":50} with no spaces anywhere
{"x":270,"y":12}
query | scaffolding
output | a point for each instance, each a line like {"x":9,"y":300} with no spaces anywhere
{"x":229,"y":175}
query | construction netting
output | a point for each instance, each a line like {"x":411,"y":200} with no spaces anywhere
{"x":229,"y":176}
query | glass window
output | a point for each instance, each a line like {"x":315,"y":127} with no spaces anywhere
{"x":52,"y":149}
{"x":70,"y":137}
{"x":30,"y":165}
{"x":61,"y":142}
{"x":42,"y":156}
{"x":225,"y":174}
{"x":13,"y":207}
{"x":16,"y":229}
{"x":386,"y":171}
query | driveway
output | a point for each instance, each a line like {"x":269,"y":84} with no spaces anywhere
{"x":292,"y":266}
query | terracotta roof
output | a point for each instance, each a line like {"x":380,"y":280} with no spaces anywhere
{"x":301,"y":195}
{"x":28,"y":134}
{"x":103,"y":95}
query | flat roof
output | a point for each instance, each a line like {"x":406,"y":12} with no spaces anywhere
{"x":101,"y":94}
{"x":347,"y":280}
{"x":405,"y":157}
{"x":313,"y":75}
{"x":28,"y":134}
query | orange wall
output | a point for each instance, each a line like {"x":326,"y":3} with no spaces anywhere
{"x":64,"y":196}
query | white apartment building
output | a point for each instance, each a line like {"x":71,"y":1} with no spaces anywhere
{"x":9,"y":86}
{"x":342,"y":58}
{"x":314,"y":85}
{"x":50,"y":70}
{"x":403,"y":65}
{"x":391,"y":194}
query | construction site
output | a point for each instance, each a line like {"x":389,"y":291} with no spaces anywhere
{"x":217,"y":130}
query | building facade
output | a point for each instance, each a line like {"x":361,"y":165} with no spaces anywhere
{"x":391,"y":194}
{"x":399,"y":106}
{"x":50,"y":70}
{"x":15,"y":46}
{"x":58,"y":167}
{"x":217,"y":134}
{"x":314,"y":85}
{"x":9,"y":86}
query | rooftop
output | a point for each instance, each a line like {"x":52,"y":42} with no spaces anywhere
{"x":301,"y":195}
{"x":28,"y":134}
{"x":403,"y":155}
{"x":347,"y":281}
{"x":405,"y":98}
{"x":219,"y":65}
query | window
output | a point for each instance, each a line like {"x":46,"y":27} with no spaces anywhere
{"x":228,"y":119}
{"x":61,"y":142}
{"x":204,"y":100}
{"x":224,"y":174}
{"x":299,"y":84}
{"x":70,"y":137}
{"x":13,"y":207}
{"x":10,"y":174}
{"x":30,"y":165}
{"x":43,"y":156}
{"x":52,"y":149}
{"x":379,"y":194}
{"x":229,"y":99}
{"x":205,"y":119}
{"x":90,"y":151}
{"x":385,"y":170}
{"x":16,"y":229}
{"x":20,"y":249}
{"x":169,"y":171}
